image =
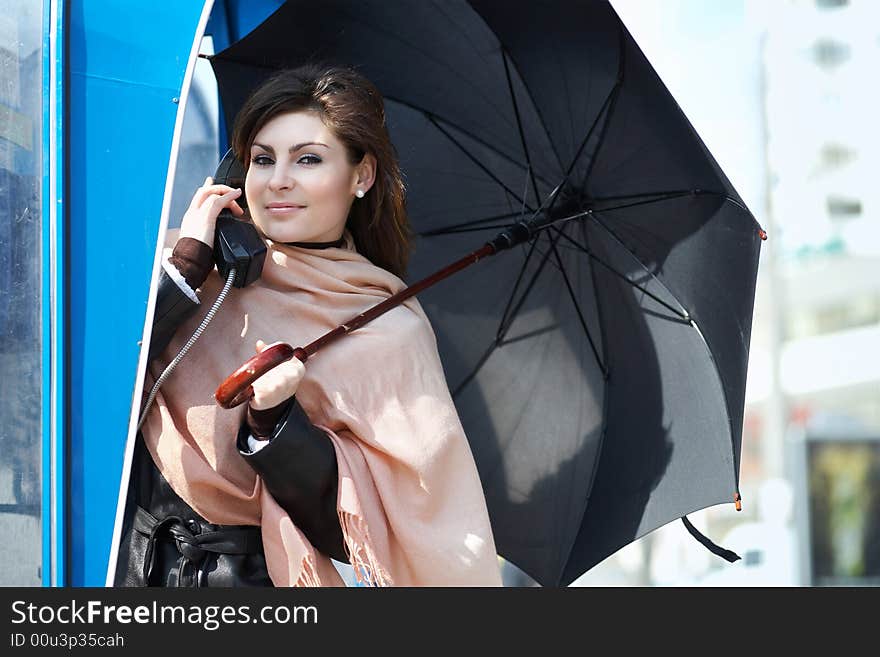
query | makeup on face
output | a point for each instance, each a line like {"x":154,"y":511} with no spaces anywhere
{"x":300,"y":184}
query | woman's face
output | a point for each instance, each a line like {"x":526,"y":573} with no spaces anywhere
{"x":300,"y":185}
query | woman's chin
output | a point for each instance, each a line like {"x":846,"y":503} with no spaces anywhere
{"x":283,"y":234}
{"x":292,"y":231}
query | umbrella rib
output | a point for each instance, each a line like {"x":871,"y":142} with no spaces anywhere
{"x":612,"y":100}
{"x":502,"y":329}
{"x":469,"y":134}
{"x":609,"y":102}
{"x":534,"y":104}
{"x":577,"y":307}
{"x":628,"y":197}
{"x":612,"y":94}
{"x":453,"y":231}
{"x":684,"y":316}
{"x":522,"y":135}
{"x":668,"y":196}
{"x":465,"y":224}
{"x":522,"y":271}
{"x":476,"y":369}
{"x":726,"y":400}
{"x":639,"y":203}
{"x":646,"y":200}
{"x":482,"y":166}
{"x":620,"y":242}
{"x":508,"y":316}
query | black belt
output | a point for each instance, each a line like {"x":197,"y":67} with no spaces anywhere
{"x":193,"y":544}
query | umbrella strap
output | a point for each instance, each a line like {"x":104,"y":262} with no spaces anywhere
{"x":709,"y":545}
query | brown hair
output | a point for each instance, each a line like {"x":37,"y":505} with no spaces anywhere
{"x":352,"y":107}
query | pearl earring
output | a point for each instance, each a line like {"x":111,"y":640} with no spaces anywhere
{"x":359,"y":193}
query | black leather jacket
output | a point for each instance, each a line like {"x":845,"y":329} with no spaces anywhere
{"x":298,"y":466}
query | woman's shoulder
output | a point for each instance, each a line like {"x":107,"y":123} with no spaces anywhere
{"x":408,"y":322}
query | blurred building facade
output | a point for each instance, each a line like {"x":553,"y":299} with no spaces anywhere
{"x":813,"y":397}
{"x":824,"y":205}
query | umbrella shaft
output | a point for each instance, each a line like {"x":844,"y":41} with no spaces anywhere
{"x":395,"y":300}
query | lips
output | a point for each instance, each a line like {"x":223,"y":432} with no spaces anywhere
{"x":283,"y":208}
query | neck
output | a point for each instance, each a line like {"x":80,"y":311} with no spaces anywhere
{"x":317,"y":245}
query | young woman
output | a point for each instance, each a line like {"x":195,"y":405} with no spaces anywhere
{"x":357,"y":455}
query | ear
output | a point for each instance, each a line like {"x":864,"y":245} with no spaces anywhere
{"x":366,"y":173}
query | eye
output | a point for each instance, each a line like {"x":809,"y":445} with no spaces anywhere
{"x":309,"y":159}
{"x":261,"y":160}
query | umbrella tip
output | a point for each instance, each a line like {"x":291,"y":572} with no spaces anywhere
{"x":763,"y":234}
{"x":737,"y":500}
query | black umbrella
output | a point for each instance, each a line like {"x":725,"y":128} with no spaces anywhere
{"x":598,"y":368}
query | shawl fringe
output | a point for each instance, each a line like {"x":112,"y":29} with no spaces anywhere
{"x":361,"y":555}
{"x":308,"y":572}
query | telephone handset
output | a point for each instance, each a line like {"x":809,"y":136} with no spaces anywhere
{"x":236,"y":243}
{"x":239,"y":254}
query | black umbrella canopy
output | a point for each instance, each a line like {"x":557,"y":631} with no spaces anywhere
{"x":599,"y":368}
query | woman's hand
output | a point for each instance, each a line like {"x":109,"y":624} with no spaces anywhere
{"x":278,"y":384}
{"x":201,"y":217}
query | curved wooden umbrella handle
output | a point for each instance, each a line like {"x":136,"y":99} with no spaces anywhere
{"x":236,"y":389}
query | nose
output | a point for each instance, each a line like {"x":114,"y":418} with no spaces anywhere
{"x":281,"y":179}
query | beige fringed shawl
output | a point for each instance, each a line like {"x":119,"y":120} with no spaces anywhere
{"x":410,"y":502}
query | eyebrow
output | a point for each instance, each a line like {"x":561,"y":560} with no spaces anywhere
{"x":293,"y":148}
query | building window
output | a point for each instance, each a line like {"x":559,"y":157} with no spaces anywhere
{"x":843,"y":208}
{"x":836,"y":155}
{"x":829,"y":53}
{"x":855,"y":312}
